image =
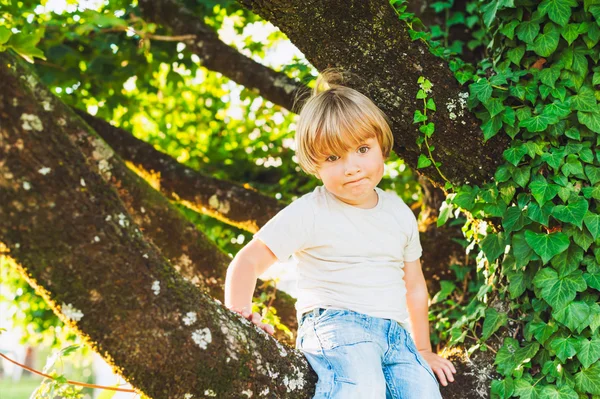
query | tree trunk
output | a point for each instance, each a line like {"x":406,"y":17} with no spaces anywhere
{"x":368,"y":39}
{"x":75,"y":242}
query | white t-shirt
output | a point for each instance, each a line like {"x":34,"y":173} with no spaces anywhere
{"x":347,"y":257}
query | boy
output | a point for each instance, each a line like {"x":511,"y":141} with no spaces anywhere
{"x":361,"y":289}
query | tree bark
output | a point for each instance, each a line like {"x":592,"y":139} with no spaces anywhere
{"x":367,"y":39}
{"x":75,"y":242}
{"x":217,"y":56}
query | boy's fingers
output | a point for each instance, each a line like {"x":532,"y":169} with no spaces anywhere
{"x":441,"y":377}
{"x":449,"y":374}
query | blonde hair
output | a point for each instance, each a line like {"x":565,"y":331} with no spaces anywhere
{"x":336,"y":118}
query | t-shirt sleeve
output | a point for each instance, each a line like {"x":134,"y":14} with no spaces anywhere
{"x":412,"y":250}
{"x":289,"y":230}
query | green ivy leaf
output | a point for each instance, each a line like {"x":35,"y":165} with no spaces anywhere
{"x":584,"y":100}
{"x":427,"y":129}
{"x":570,"y":33}
{"x":547,"y":245}
{"x":423,"y":161}
{"x":430,"y":104}
{"x":514,"y":219}
{"x":558,"y":290}
{"x":527,"y":31}
{"x":562,"y":392}
{"x":540,"y":214}
{"x":592,"y":222}
{"x":573,"y":212}
{"x":419,"y":117}
{"x":564,"y":347}
{"x":590,"y":119}
{"x":492,"y":322}
{"x":503,"y":388}
{"x":588,"y":351}
{"x":524,"y":390}
{"x":588,"y":379}
{"x":537,"y":123}
{"x":546,"y":43}
{"x":491,"y":127}
{"x":522,"y":175}
{"x":493,"y":245}
{"x":541,"y":190}
{"x":541,"y":331}
{"x":494,"y":106}
{"x":516,"y":54}
{"x":573,"y":166}
{"x":575,"y":315}
{"x":568,"y":261}
{"x":482,"y":89}
{"x":559,"y":11}
{"x":515,"y":153}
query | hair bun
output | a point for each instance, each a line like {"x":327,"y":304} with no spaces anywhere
{"x":328,"y":79}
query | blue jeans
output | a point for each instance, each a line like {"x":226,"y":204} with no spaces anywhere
{"x":363,"y":357}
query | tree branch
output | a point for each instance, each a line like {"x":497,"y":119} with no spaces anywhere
{"x":217,"y":56}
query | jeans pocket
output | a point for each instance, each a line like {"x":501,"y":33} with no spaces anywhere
{"x":340,"y":329}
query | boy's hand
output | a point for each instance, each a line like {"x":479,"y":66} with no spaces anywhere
{"x":256,"y":319}
{"x":443,"y":368}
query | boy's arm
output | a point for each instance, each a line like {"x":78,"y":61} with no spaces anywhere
{"x":417,"y":302}
{"x":243,"y":271}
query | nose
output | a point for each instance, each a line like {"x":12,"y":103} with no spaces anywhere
{"x":351,"y":167}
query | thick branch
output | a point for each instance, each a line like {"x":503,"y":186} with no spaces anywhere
{"x":368,"y":39}
{"x":217,"y":56}
{"x":223,"y":200}
{"x":64,"y":224}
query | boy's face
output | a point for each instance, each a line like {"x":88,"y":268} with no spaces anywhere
{"x":352,"y":176}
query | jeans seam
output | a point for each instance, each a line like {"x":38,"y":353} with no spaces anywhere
{"x":425,"y":366}
{"x":390,"y":383}
{"x":329,"y":365}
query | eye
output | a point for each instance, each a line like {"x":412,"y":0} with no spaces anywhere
{"x":366,"y":147}
{"x":329,"y":158}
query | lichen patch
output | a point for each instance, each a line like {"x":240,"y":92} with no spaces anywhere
{"x":189,"y":318}
{"x":31,"y":122}
{"x":156,"y":287}
{"x":71,"y":312}
{"x":202,"y":337}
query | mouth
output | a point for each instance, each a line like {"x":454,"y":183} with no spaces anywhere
{"x":356,"y":181}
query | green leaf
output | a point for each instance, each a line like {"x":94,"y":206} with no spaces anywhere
{"x":541,"y":190}
{"x":570,"y":33}
{"x":593,"y":173}
{"x":5,"y":34}
{"x":588,"y":351}
{"x":562,"y":392}
{"x":421,"y":94}
{"x":546,"y":43}
{"x":419,"y":117}
{"x":494,"y":106}
{"x":522,"y":175}
{"x":502,"y":388}
{"x":540,"y":214}
{"x":491,"y":127}
{"x":573,"y":166}
{"x":588,"y":379}
{"x":527,"y":31}
{"x":564,"y":347}
{"x":514,"y":219}
{"x":592,"y":222}
{"x":575,"y":315}
{"x":25,"y":44}
{"x":427,"y":129}
{"x":573,"y":212}
{"x":431,"y":104}
{"x":548,"y":76}
{"x":493,"y":245}
{"x":516,"y":54}
{"x":423,"y":161}
{"x":584,"y":100}
{"x":482,"y":90}
{"x":515,"y":153}
{"x":542,"y":331}
{"x":568,"y":261}
{"x":547,"y":245}
{"x":556,"y":290}
{"x":559,"y":11}
{"x":492,"y":322}
{"x":537,"y":123}
{"x":590,"y":119}
{"x":524,"y":390}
